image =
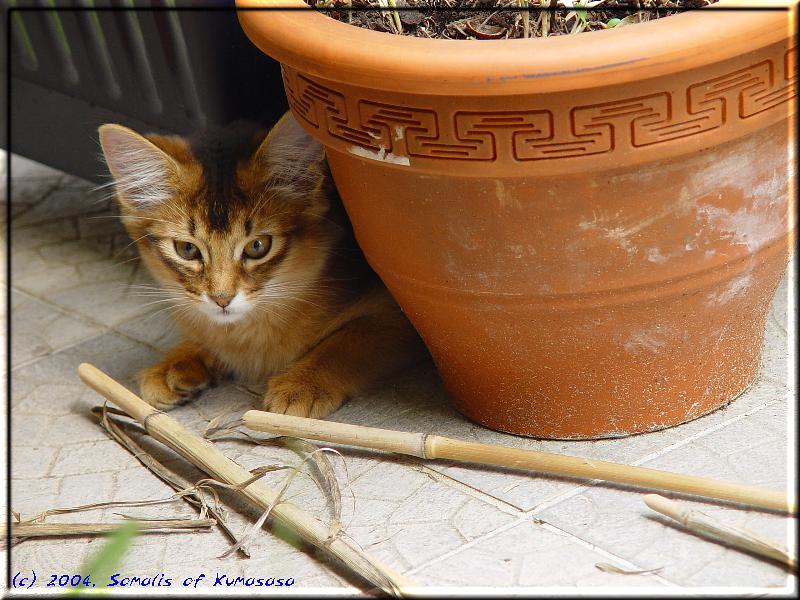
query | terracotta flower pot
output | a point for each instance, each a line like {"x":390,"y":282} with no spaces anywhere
{"x":586,"y":230}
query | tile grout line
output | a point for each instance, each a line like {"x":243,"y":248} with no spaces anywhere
{"x":666,"y":450}
{"x":601,"y":551}
{"x":67,"y":311}
{"x":528,"y":516}
{"x":55,"y":186}
{"x":104,"y":329}
{"x":511,"y":509}
{"x":707,"y":431}
{"x":501,"y":504}
{"x":473,"y":492}
{"x":486,"y":536}
{"x":35,"y":359}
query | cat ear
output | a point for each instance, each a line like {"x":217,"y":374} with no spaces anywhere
{"x":143,"y":173}
{"x":292,"y":159}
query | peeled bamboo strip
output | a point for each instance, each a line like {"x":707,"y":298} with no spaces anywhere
{"x":206,"y":457}
{"x":60,"y":529}
{"x":430,"y":446}
{"x":704,"y":525}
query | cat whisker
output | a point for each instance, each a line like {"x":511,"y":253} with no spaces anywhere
{"x":103,"y":186}
{"x":297,"y":292}
{"x":126,"y":261}
{"x":269,"y":312}
{"x":153,"y":295}
{"x":153,"y":314}
{"x":156,"y":294}
{"x":258,"y":205}
{"x":152,"y":288}
{"x":179,"y":305}
{"x":171,"y":302}
{"x":141,"y":237}
{"x":296,"y":299}
{"x":278,"y":308}
{"x":158,"y":286}
{"x":262,"y":334}
{"x":134,"y":217}
{"x":317,"y":280}
{"x":115,"y":266}
{"x":162,"y":286}
{"x":284,"y":290}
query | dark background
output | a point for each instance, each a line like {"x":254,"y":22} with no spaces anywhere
{"x":154,"y":71}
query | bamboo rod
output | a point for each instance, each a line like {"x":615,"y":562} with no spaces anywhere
{"x":702,"y":524}
{"x":59,"y":529}
{"x":429,"y":446}
{"x":206,"y":457}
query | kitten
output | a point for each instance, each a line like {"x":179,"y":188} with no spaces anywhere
{"x":247,"y":236}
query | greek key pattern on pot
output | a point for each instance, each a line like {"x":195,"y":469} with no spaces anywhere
{"x":377,"y":129}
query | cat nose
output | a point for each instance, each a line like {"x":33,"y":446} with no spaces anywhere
{"x":222,"y":300}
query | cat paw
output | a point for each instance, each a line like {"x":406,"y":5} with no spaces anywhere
{"x":165,"y":386}
{"x":300,"y":399}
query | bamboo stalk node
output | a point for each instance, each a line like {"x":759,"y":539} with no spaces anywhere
{"x":429,"y":446}
{"x":147,"y":418}
{"x":111,"y":422}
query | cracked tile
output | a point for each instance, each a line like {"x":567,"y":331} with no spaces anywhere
{"x":29,"y":431}
{"x":527,"y":491}
{"x":28,"y":193}
{"x":81,"y":489}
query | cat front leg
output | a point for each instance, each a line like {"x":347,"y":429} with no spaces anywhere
{"x":347,"y":362}
{"x":183,"y":374}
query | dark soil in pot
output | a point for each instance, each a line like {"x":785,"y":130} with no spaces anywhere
{"x":500,"y":19}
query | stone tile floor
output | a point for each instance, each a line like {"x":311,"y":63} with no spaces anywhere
{"x":446,"y":526}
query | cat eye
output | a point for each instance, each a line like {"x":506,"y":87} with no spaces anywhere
{"x":187,"y":250}
{"x":257,"y":248}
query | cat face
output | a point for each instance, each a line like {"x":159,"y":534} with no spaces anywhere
{"x":231,"y":222}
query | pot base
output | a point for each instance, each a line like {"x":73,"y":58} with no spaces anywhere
{"x":623,"y":434}
{"x":613,"y":369}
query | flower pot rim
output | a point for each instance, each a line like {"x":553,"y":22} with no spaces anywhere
{"x":357,"y":56}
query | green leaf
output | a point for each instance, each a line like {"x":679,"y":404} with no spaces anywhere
{"x":581,"y":14}
{"x":108,"y":559}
